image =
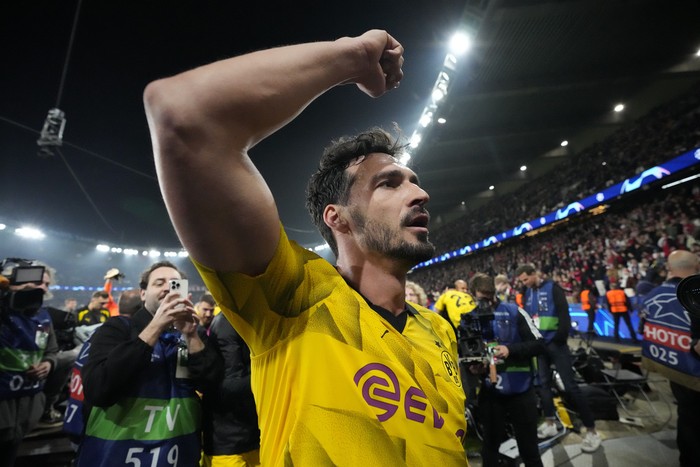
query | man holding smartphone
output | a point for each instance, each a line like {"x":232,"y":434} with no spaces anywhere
{"x":140,"y":379}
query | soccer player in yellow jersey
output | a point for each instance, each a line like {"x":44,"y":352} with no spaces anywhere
{"x":343,"y":370}
{"x":454,"y":302}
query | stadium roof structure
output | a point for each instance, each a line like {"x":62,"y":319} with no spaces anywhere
{"x":543,"y":72}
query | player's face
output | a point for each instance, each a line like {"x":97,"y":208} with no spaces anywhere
{"x":387,"y":208}
{"x":158,"y":287}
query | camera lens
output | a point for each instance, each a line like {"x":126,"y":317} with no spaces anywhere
{"x":688,"y":294}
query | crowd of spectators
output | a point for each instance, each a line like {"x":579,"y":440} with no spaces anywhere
{"x":628,"y":243}
{"x":664,"y":133}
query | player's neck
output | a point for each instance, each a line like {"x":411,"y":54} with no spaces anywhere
{"x":382,"y":283}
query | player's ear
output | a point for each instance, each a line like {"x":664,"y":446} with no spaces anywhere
{"x":334,"y":217}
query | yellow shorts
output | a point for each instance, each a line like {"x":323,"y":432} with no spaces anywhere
{"x":247,"y":459}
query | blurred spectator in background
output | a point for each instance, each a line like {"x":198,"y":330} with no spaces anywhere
{"x":620,"y":308}
{"x":455,"y":301}
{"x":230,"y":433}
{"x":416,"y":294}
{"x":129,"y":302}
{"x":204,"y":309}
{"x":96,"y":311}
{"x":70,"y":304}
{"x":55,"y":388}
{"x":504,"y":292}
{"x":589,"y":304}
{"x":110,"y":277}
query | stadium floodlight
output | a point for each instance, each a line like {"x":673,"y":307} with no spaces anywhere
{"x":492,"y":187}
{"x":415,"y":140}
{"x":426,"y":118}
{"x":30,"y":232}
{"x":564,"y":143}
{"x":154,"y":253}
{"x":523,"y":168}
{"x":103,"y":248}
{"x":619,"y":108}
{"x":450,"y":62}
{"x":404,"y":157}
{"x":460,"y":43}
{"x":130,"y":252}
{"x":441,"y":120}
{"x":183,"y":254}
{"x":3,"y":226}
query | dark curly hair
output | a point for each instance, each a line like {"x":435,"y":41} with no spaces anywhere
{"x":331,"y":183}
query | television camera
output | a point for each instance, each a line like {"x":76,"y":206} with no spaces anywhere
{"x":476,"y":337}
{"x":688,"y":293}
{"x":17,"y":272}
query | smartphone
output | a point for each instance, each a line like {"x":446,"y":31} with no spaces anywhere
{"x":180,"y":287}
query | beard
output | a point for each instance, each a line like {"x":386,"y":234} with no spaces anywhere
{"x":382,"y":238}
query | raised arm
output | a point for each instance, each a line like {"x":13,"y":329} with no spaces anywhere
{"x":204,"y":121}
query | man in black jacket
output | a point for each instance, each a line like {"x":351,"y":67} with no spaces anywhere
{"x":230,"y":422}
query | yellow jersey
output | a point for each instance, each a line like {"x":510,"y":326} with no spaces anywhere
{"x":455,"y":303}
{"x":334,"y":382}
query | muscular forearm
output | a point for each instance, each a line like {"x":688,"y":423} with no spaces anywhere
{"x":211,"y":116}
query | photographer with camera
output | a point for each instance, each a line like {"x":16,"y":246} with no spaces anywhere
{"x":140,"y":377}
{"x":511,"y":342}
{"x":671,"y":348}
{"x":28,"y":345}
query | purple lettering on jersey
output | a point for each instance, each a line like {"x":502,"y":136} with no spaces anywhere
{"x":438,"y":421}
{"x":374,"y":387}
{"x":371,"y":388}
{"x":410,"y":402}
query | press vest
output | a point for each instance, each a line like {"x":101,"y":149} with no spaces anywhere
{"x":23,"y":340}
{"x":539,"y":303}
{"x":666,"y":345}
{"x":617,"y":300}
{"x":514,"y":376}
{"x":156,"y":423}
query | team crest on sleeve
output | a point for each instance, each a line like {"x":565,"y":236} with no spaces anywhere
{"x":451,"y":368}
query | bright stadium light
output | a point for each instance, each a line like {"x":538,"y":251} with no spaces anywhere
{"x":619,"y":108}
{"x":523,"y":168}
{"x":3,"y":226}
{"x":460,"y":43}
{"x":564,"y":143}
{"x":415,"y":140}
{"x":30,"y":232}
{"x":102,"y":248}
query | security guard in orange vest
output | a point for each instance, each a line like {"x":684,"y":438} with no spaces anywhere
{"x":619,"y":307}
